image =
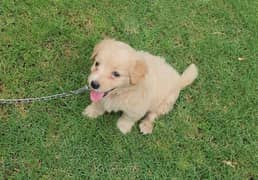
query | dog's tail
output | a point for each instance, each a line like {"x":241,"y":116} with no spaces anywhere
{"x":188,"y":76}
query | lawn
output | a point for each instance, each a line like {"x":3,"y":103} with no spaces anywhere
{"x":212,"y":133}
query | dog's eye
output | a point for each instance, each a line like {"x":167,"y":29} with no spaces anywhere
{"x":97,"y":64}
{"x":115,"y":74}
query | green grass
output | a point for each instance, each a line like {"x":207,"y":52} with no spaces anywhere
{"x":45,"y":48}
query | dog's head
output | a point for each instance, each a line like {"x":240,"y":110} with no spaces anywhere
{"x":116,"y":65}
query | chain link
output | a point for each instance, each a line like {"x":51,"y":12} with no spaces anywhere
{"x":44,"y":98}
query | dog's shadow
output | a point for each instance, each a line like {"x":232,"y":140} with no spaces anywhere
{"x":108,"y":122}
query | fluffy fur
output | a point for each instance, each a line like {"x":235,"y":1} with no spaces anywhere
{"x":146,"y":88}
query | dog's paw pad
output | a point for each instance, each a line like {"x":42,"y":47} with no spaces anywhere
{"x":146,"y":127}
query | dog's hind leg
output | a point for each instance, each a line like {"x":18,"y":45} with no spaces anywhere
{"x":146,"y":126}
{"x":167,"y":104}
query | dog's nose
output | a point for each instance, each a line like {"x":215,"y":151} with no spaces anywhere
{"x":94,"y":84}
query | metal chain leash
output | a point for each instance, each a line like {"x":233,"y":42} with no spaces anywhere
{"x":44,"y":98}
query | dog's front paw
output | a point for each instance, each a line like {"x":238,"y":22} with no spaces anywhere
{"x":146,"y":127}
{"x":124,"y":125}
{"x":92,"y":111}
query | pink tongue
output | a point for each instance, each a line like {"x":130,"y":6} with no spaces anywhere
{"x":96,"y":96}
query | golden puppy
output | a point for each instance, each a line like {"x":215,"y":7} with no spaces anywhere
{"x":137,"y":83}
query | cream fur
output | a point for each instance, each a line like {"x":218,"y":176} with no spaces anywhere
{"x":148,"y":86}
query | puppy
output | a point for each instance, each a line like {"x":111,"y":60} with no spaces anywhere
{"x":141,"y":85}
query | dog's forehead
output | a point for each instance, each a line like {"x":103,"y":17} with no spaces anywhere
{"x":115,"y":58}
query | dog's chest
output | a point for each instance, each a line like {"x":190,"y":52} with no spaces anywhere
{"x":115,"y":103}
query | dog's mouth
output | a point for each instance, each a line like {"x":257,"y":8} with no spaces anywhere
{"x":96,"y":96}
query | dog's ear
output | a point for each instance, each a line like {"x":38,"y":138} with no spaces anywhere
{"x":138,"y":72}
{"x":95,"y":51}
